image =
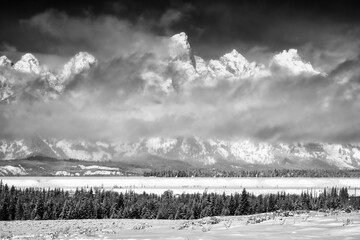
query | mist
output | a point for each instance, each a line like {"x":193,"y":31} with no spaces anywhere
{"x":118,"y":101}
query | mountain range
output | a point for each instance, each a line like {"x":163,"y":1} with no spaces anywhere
{"x":28,"y":80}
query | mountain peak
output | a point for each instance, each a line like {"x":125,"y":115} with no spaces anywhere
{"x":81,"y":62}
{"x":28,"y":64}
{"x":181,"y":39}
{"x":179,"y":47}
{"x":234,"y":56}
{"x":234,"y":64}
{"x":292,"y":62}
{"x":5,"y":62}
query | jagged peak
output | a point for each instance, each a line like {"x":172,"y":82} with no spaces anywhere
{"x":179,"y":46}
{"x":28,"y":63}
{"x":84,"y":56}
{"x":292,"y":62}
{"x":181,"y":39}
{"x":80,"y":62}
{"x":5,"y":62}
{"x":234,"y":56}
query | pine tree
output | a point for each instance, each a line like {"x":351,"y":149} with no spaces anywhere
{"x":19,"y":211}
{"x":244,"y":206}
{"x":39,"y":208}
{"x":232,"y":205}
{"x":218,"y":206}
{"x":4,"y":211}
{"x":64,"y":212}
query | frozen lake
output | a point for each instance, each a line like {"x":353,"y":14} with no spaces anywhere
{"x":188,"y":185}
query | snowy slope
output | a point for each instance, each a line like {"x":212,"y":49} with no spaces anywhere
{"x":203,"y":152}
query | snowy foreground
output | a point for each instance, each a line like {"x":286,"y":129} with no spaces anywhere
{"x":313,"y":225}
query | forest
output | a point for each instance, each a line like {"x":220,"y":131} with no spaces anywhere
{"x":46,"y":204}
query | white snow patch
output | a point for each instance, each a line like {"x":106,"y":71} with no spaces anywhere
{"x":11,"y":170}
{"x":62,"y":173}
{"x":97,"y":167}
{"x":292,"y":62}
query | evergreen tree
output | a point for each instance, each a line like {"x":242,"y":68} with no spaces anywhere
{"x":19,"y":211}
{"x":232,"y":205}
{"x":244,"y":206}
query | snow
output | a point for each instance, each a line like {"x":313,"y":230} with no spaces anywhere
{"x":78,"y":64}
{"x":180,"y":185}
{"x":237,"y":64}
{"x":301,"y":152}
{"x":201,"y":66}
{"x":194,"y":149}
{"x":356,"y":154}
{"x":163,"y":145}
{"x":251,"y":153}
{"x":179,"y":46}
{"x":52,"y":147}
{"x":101,"y":172}
{"x":98,"y":167}
{"x":62,"y":173}
{"x":292,"y":63}
{"x":338,"y":155}
{"x":312,"y":225}
{"x":28,"y":64}
{"x":5,"y":62}
{"x":209,"y":160}
{"x":11,"y":170}
{"x":70,"y":152}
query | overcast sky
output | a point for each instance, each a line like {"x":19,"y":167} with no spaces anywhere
{"x":127,"y":37}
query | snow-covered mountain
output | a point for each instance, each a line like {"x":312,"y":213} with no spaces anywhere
{"x":187,"y":71}
{"x":196,"y":151}
{"x":292,"y":63}
{"x":28,"y":79}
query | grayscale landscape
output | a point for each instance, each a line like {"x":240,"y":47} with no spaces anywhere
{"x":179,"y":119}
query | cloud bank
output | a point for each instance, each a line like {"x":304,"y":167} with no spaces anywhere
{"x":121,"y":99}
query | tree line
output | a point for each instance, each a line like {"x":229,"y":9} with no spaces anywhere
{"x":42,"y":204}
{"x":318,"y":173}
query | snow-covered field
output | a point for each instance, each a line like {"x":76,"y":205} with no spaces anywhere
{"x":188,"y":185}
{"x":311,"y":225}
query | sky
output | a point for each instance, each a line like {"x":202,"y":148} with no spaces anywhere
{"x":214,"y":27}
{"x":129,"y":38}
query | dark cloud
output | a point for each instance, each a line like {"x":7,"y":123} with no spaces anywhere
{"x":322,"y":29}
{"x":5,"y":47}
{"x":105,"y":36}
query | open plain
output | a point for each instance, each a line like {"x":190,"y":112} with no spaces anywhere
{"x":188,"y":185}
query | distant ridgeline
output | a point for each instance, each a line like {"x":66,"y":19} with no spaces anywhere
{"x":42,"y":204}
{"x":46,"y":166}
{"x":316,"y":173}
